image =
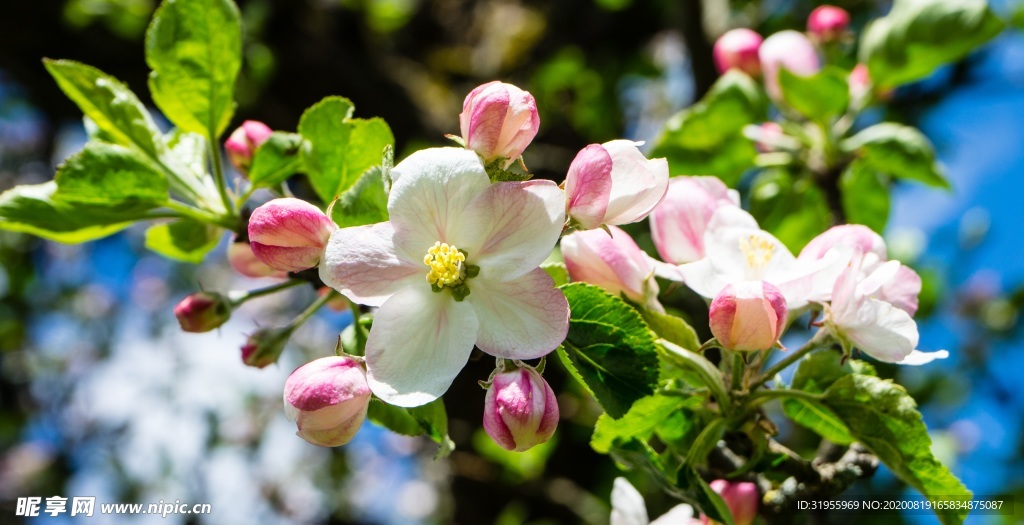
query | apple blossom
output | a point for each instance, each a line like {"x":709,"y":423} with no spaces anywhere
{"x":828,"y":22}
{"x":791,"y":50}
{"x":244,"y":261}
{"x":264,"y":347}
{"x":499,"y":121}
{"x":202,"y":312}
{"x":456,"y":266}
{"x":242,"y":143}
{"x":678,"y":223}
{"x":520,"y":409}
{"x":327,"y":399}
{"x":748,"y":316}
{"x":289,"y":234}
{"x":613,"y":183}
{"x":737,"y":48}
{"x":613,"y":261}
{"x":629,"y":508}
{"x":741,"y":497}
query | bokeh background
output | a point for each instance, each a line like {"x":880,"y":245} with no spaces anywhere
{"x":102,"y":395}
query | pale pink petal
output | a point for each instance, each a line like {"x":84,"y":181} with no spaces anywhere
{"x":362,"y":264}
{"x":681,"y":514}
{"x":613,"y":262}
{"x":856,"y":236}
{"x":419,"y":342}
{"x":902,"y":290}
{"x":882,"y":331}
{"x":588,"y":186}
{"x":483,"y":116}
{"x":525,"y":318}
{"x":638,"y":184}
{"x":679,"y":222}
{"x":287,"y":259}
{"x":917,"y":357}
{"x":511,"y":227}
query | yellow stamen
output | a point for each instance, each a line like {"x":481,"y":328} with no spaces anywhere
{"x":758,"y":250}
{"x":447,"y":265}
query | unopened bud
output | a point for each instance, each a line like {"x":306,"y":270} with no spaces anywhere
{"x":289,"y":234}
{"x":242,"y":259}
{"x":787,"y":49}
{"x":242,"y":143}
{"x":613,"y":183}
{"x":520,"y":410}
{"x":737,"y":49}
{"x":327,"y":399}
{"x":264,"y":347}
{"x":741,"y":498}
{"x":828,"y":23}
{"x":499,"y":121}
{"x":202,"y":312}
{"x":748,"y":316}
{"x":678,"y":223}
{"x":613,"y":262}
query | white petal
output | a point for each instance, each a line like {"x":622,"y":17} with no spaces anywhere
{"x":419,"y":342}
{"x":361,"y":263}
{"x":700,"y":276}
{"x":918,"y":357}
{"x":882,"y":331}
{"x":681,"y":514}
{"x":638,"y":184}
{"x":520,"y":319}
{"x":511,"y":227}
{"x":430,"y":194}
{"x":628,"y":507}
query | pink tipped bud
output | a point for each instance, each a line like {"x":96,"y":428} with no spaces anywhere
{"x":741,"y":498}
{"x":613,"y":262}
{"x":613,"y":183}
{"x":264,"y":347}
{"x":242,"y":143}
{"x":242,"y":259}
{"x":520,"y":410}
{"x":748,"y":316}
{"x":737,"y":49}
{"x":791,"y":50}
{"x":498,"y":121}
{"x":854,"y":237}
{"x":828,"y":22}
{"x":289,"y":234}
{"x":327,"y":399}
{"x":202,"y":312}
{"x":678,"y":223}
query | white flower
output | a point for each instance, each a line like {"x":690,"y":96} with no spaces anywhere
{"x":456,"y":266}
{"x":628,"y":508}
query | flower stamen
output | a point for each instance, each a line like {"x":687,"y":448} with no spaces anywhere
{"x":447,"y":265}
{"x":758,"y":251}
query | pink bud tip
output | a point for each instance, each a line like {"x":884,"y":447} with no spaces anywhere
{"x":742,"y":499}
{"x":828,"y":22}
{"x":737,"y":49}
{"x":499,"y":121}
{"x":202,"y":312}
{"x":264,"y":347}
{"x":242,"y":143}
{"x":289,"y":234}
{"x":327,"y":398}
{"x":748,"y":316}
{"x":520,"y":410}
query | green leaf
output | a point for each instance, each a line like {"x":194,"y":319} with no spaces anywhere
{"x":817,"y":417}
{"x":517,"y":467}
{"x":791,"y":208}
{"x":34,"y":209}
{"x":706,"y":441}
{"x":434,"y":419}
{"x":609,"y":349}
{"x":115,"y":111}
{"x":276,"y":159}
{"x":394,"y":418}
{"x":819,"y":370}
{"x":364,"y":203}
{"x":194,"y":48}
{"x":865,"y":196}
{"x":643,"y":418}
{"x":918,"y":36}
{"x":189,"y":150}
{"x":897,"y":150}
{"x":883,"y":417}
{"x":708,"y":373}
{"x":671,"y":328}
{"x":707,"y":138}
{"x":819,"y":97}
{"x":338,"y":148}
{"x":107,"y":174}
{"x":557,"y":271}
{"x":183,"y":240}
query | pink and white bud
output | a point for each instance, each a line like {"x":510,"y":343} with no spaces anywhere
{"x":498,"y":121}
{"x":828,"y":23}
{"x":242,"y":259}
{"x":742,"y":499}
{"x":787,"y":49}
{"x":770,"y":135}
{"x":264,"y":347}
{"x":520,"y":409}
{"x":613,"y":183}
{"x":859,"y":81}
{"x":613,"y":262}
{"x":289,"y":234}
{"x":853,"y":237}
{"x":242,"y":143}
{"x":748,"y":316}
{"x":202,"y":312}
{"x":327,"y":399}
{"x":737,"y":49}
{"x":678,"y":223}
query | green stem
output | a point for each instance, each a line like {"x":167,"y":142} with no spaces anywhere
{"x":819,"y":340}
{"x":186,"y":211}
{"x":312,"y":309}
{"x":240,"y":201}
{"x":218,"y":177}
{"x":259,"y":292}
{"x":737,"y":371}
{"x":360,"y":331}
{"x":763,"y":396}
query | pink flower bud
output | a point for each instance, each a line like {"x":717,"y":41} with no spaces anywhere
{"x":855,"y":237}
{"x":748,"y":316}
{"x":202,"y":312}
{"x":828,"y":22}
{"x":498,"y":121}
{"x":791,"y":50}
{"x":520,"y":410}
{"x":741,"y":498}
{"x":242,"y":143}
{"x":327,"y":399}
{"x":860,"y":81}
{"x":264,"y":347}
{"x":613,"y":262}
{"x":613,"y":183}
{"x":771,"y":133}
{"x":738,"y":49}
{"x":678,"y":223}
{"x":289,"y":234}
{"x":242,"y":259}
